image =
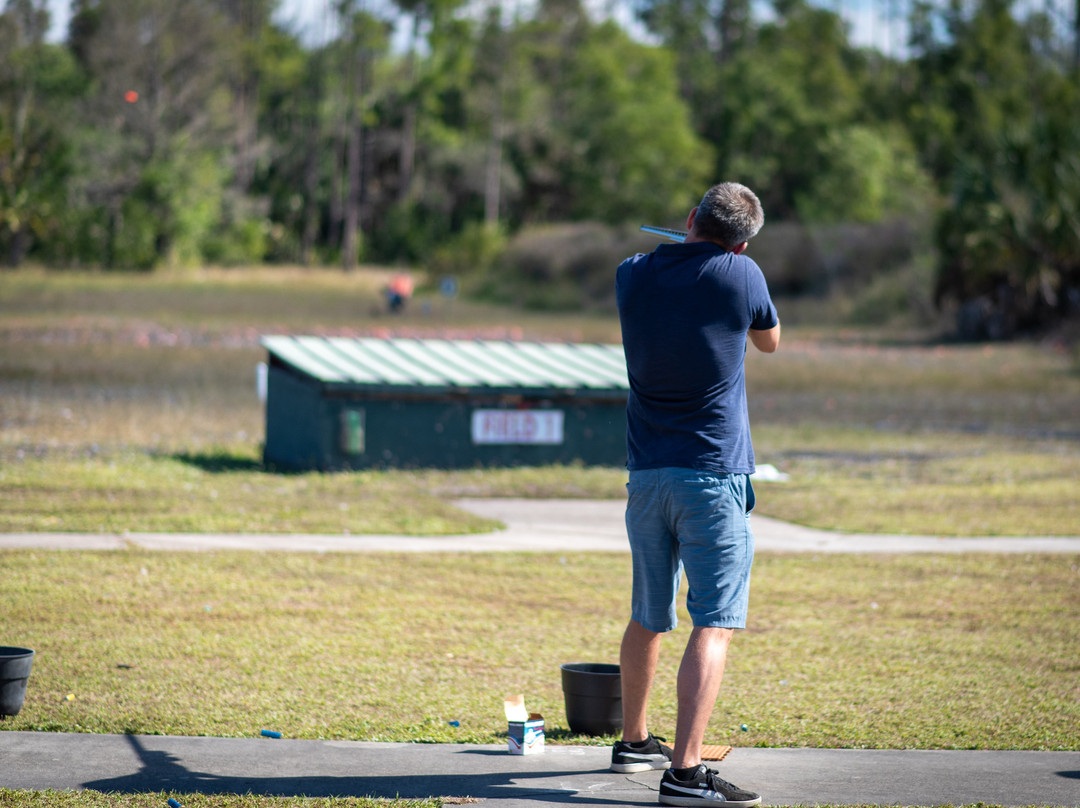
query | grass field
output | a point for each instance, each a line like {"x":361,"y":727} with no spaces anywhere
{"x":128,"y":403}
{"x":920,"y":652}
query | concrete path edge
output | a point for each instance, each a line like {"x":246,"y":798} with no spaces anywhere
{"x":563,"y":525}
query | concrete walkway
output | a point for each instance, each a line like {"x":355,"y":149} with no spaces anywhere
{"x":543,"y":525}
{"x":561,"y":776}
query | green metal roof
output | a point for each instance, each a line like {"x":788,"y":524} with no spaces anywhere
{"x":439,"y":365}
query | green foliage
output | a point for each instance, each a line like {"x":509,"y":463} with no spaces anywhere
{"x":1010,"y":243}
{"x":790,"y":124}
{"x":37,"y":83}
{"x":977,"y":79}
{"x":633,"y":144}
{"x":871,"y":175}
{"x":594,"y":126}
{"x":215,"y":135}
{"x":171,"y":213}
{"x":1010,"y":238}
{"x":416,"y":231}
{"x":781,"y":96}
{"x":471,"y":254}
{"x":238,"y":243}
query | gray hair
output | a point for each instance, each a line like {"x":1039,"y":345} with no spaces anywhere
{"x":729,"y":214}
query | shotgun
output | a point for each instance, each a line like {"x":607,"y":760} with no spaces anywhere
{"x":666,"y":232}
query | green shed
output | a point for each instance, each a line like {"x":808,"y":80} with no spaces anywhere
{"x":337,"y":403}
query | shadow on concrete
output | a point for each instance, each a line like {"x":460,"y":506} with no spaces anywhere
{"x":162,"y":771}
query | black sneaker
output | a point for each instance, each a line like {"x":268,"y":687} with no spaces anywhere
{"x":641,"y":756}
{"x":704,"y":788}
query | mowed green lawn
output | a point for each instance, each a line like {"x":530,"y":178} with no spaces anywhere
{"x":127,"y":403}
{"x":922,"y":651}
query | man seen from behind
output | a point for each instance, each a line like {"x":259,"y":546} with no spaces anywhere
{"x":687,"y":311}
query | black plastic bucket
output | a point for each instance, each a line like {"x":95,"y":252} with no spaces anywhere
{"x":14,"y":673}
{"x":593,"y":695}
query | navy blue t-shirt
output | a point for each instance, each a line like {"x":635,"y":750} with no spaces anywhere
{"x":685,"y":310}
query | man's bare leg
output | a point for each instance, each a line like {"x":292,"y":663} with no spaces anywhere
{"x":700,"y":674}
{"x":638,"y":655}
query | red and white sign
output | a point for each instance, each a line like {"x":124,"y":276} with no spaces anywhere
{"x":517,"y":426}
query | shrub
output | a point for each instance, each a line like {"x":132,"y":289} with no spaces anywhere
{"x":563,"y":267}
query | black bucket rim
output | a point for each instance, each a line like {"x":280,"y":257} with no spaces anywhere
{"x":14,"y":652}
{"x":592,"y":668}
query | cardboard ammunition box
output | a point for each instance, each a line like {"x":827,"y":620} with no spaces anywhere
{"x":527,"y":737}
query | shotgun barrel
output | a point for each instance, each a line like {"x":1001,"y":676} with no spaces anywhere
{"x":666,"y":232}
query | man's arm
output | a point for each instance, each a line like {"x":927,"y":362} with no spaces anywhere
{"x":766,"y":341}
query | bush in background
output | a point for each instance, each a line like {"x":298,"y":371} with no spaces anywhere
{"x":560,"y":267}
{"x":880,"y":270}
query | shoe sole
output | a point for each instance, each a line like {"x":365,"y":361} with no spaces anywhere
{"x":630,"y":768}
{"x":693,"y":802}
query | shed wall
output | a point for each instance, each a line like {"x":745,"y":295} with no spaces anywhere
{"x":321,"y":415}
{"x":309,"y":427}
{"x":438,"y":433}
{"x":295,"y":413}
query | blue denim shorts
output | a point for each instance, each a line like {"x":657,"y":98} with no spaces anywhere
{"x":681,"y":519}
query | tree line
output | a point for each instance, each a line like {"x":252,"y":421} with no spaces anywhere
{"x":161,"y":133}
